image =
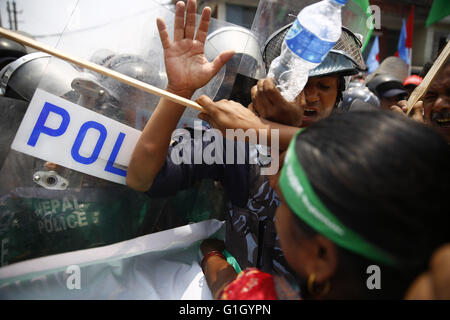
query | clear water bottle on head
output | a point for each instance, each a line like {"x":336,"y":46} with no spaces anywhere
{"x":308,"y":41}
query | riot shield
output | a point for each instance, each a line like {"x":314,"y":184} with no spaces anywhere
{"x":49,"y":206}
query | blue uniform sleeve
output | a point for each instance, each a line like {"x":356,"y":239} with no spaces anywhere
{"x":179,"y":175}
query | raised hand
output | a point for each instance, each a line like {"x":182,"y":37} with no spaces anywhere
{"x":186,"y":66}
{"x":187,"y":70}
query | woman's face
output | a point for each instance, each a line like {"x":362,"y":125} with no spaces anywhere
{"x":294,"y":246}
{"x":320,"y":96}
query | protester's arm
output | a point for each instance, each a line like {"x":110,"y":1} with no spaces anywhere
{"x":218,"y":272}
{"x":268,"y":103}
{"x":187,"y":70}
{"x":226,"y":114}
{"x":285,"y":133}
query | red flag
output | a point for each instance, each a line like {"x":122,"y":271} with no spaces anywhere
{"x":409,"y":28}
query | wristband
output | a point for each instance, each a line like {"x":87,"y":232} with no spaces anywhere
{"x":209,"y":254}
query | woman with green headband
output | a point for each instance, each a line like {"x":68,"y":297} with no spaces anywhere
{"x":363,"y":208}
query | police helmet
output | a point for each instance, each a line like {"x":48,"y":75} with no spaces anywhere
{"x":358,"y":97}
{"x":242,"y":41}
{"x":247,"y":60}
{"x":20,"y":78}
{"x":111,"y":97}
{"x":138,"y":68}
{"x":10,"y":51}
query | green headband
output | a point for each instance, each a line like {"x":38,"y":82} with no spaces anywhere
{"x":300,"y":197}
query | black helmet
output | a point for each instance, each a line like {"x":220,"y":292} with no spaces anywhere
{"x":247,"y":61}
{"x":358,"y":97}
{"x":344,"y":58}
{"x":20,"y":78}
{"x":138,"y":68}
{"x":10,"y":51}
{"x":111,"y":97}
{"x":386,"y":85}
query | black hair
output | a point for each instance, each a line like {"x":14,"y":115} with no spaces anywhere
{"x":340,"y":91}
{"x":387,"y":178}
{"x":428,"y":66}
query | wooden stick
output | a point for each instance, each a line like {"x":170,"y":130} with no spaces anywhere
{"x":100,"y":69}
{"x":422,"y":88}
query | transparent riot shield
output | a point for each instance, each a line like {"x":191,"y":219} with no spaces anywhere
{"x":247,"y":60}
{"x":47,"y":206}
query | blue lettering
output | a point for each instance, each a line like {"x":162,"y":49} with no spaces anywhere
{"x":40,"y":123}
{"x":109,"y":165}
{"x":79,"y":140}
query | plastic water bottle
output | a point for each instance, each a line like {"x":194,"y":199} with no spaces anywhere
{"x":308,"y":41}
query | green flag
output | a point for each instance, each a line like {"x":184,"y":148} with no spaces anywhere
{"x":439,"y":10}
{"x":355,"y":16}
{"x":364,"y":4}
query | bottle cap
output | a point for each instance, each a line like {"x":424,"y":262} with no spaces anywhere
{"x":341,"y":1}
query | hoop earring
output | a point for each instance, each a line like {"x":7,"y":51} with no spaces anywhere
{"x":314,"y":290}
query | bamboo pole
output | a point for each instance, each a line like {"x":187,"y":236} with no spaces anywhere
{"x":422,"y":89}
{"x":100,"y":69}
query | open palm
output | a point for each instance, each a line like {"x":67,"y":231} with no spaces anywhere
{"x":186,"y":66}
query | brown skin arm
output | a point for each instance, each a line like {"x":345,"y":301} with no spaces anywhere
{"x":268,"y":103}
{"x":286,"y":133}
{"x":187,"y":70}
{"x":152,"y":147}
{"x":226,"y":114}
{"x":218,"y":272}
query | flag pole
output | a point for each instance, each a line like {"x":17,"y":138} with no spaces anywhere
{"x":99,"y":69}
{"x":409,"y":36}
{"x":422,"y":88}
{"x":410,"y":61}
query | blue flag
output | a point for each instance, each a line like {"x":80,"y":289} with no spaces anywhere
{"x":373,"y":59}
{"x":401,"y":47}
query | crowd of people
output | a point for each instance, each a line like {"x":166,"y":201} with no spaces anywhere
{"x":360,"y":183}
